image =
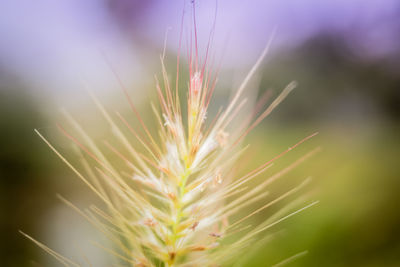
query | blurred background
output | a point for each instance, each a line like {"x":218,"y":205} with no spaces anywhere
{"x":345,"y":56}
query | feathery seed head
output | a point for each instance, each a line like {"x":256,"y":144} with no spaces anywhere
{"x":176,"y":211}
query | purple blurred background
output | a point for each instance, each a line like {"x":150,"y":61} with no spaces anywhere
{"x":345,"y":55}
{"x":53,"y":45}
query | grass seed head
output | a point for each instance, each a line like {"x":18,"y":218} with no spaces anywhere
{"x":172,"y":208}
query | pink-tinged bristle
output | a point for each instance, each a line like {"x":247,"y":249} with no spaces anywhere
{"x":86,"y":150}
{"x":210,"y":37}
{"x":117,"y":184}
{"x":155,"y":165}
{"x":273,"y":159}
{"x":146,"y":145}
{"x":162,"y":100}
{"x":246,"y":80}
{"x":83,"y":147}
{"x":120,"y":155}
{"x":167,"y":88}
{"x":195,"y":36}
{"x":129,"y":99}
{"x":213,"y":122}
{"x":261,"y":102}
{"x":214,"y":80}
{"x":271,"y":107}
{"x":257,"y":108}
{"x":207,"y":90}
{"x":190,"y":51}
{"x":178,"y":58}
{"x":279,"y":198}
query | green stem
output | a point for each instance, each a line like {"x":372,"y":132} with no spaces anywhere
{"x":178,"y":213}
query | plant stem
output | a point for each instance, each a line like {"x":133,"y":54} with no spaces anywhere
{"x":178,"y":205}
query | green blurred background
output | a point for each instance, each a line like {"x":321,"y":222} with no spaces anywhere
{"x":347,"y":66}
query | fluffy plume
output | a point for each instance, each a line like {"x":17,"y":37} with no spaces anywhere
{"x":172,"y":208}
